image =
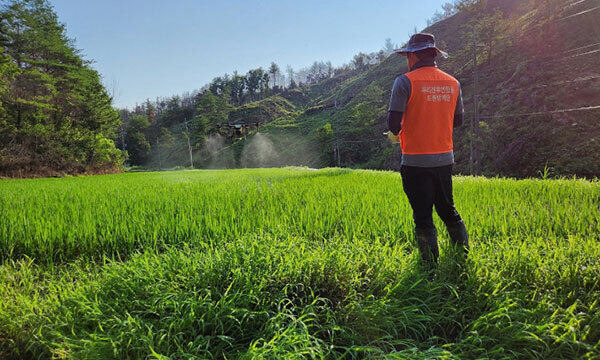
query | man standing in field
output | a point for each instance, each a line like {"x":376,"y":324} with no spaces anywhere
{"x":425,"y":105}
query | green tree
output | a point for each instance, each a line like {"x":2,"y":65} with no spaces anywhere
{"x":325,"y":137}
{"x":165,"y":145}
{"x":7,"y":72}
{"x":360,"y":61}
{"x":473,"y":6}
{"x":138,"y":146}
{"x":264,"y":84}
{"x":211,"y":111}
{"x":59,"y":113}
{"x":257,"y":82}
{"x":237,"y":86}
{"x":492,"y":32}
{"x":274,"y":71}
{"x":175,"y":113}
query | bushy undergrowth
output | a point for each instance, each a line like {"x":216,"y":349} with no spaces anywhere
{"x":293,"y":264}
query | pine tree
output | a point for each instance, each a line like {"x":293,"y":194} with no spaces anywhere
{"x":60,"y":114}
{"x":274,"y":71}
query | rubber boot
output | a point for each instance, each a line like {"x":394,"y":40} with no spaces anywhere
{"x":428,"y":246}
{"x":458,"y":235}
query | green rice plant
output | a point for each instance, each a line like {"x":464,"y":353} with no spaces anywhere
{"x":293,"y":264}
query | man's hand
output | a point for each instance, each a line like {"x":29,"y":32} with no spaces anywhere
{"x":393,"y":138}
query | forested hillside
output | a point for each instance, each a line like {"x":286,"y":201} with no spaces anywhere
{"x":535,"y":82}
{"x":56,"y":118}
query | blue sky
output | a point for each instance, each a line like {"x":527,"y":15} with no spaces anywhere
{"x":156,"y":48}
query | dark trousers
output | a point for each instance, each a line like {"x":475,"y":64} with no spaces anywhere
{"x":426,"y":187}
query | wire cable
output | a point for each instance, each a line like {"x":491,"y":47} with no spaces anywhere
{"x":574,"y":3}
{"x":515,"y":66}
{"x":553,"y":58}
{"x":360,"y":141}
{"x":541,"y":112}
{"x":579,"y":13}
{"x":507,"y":91}
{"x":459,"y":71}
{"x":582,"y":47}
{"x":548,"y":58}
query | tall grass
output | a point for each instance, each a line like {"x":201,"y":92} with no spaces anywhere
{"x":293,"y":264}
{"x":58,"y":220}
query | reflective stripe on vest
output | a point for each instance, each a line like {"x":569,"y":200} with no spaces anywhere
{"x":428,"y":121}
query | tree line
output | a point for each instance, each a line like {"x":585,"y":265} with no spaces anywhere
{"x":153,"y":132}
{"x":258,"y":83}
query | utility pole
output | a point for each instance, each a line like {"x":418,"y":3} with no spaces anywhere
{"x":334,"y":152}
{"x":159,"y":155}
{"x":339,"y":158}
{"x":187,"y":137}
{"x":475,"y":117}
{"x":123,"y":138}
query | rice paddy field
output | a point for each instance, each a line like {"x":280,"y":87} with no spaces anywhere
{"x":293,"y":264}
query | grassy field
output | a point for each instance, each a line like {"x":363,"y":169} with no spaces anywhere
{"x":293,"y":264}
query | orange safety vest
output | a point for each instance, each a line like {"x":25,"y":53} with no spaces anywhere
{"x":428,"y":121}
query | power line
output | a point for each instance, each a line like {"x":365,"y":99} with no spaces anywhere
{"x":360,"y":141}
{"x":545,"y":59}
{"x":507,"y":91}
{"x":579,"y":13}
{"x":552,"y":57}
{"x":582,"y":47}
{"x":531,"y":60}
{"x":542,"y":112}
{"x":588,"y":78}
{"x":555,"y":56}
{"x":574,"y":4}
{"x":582,"y":54}
{"x":458,"y":72}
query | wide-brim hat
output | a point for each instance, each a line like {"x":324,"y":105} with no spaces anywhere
{"x":418,"y":42}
